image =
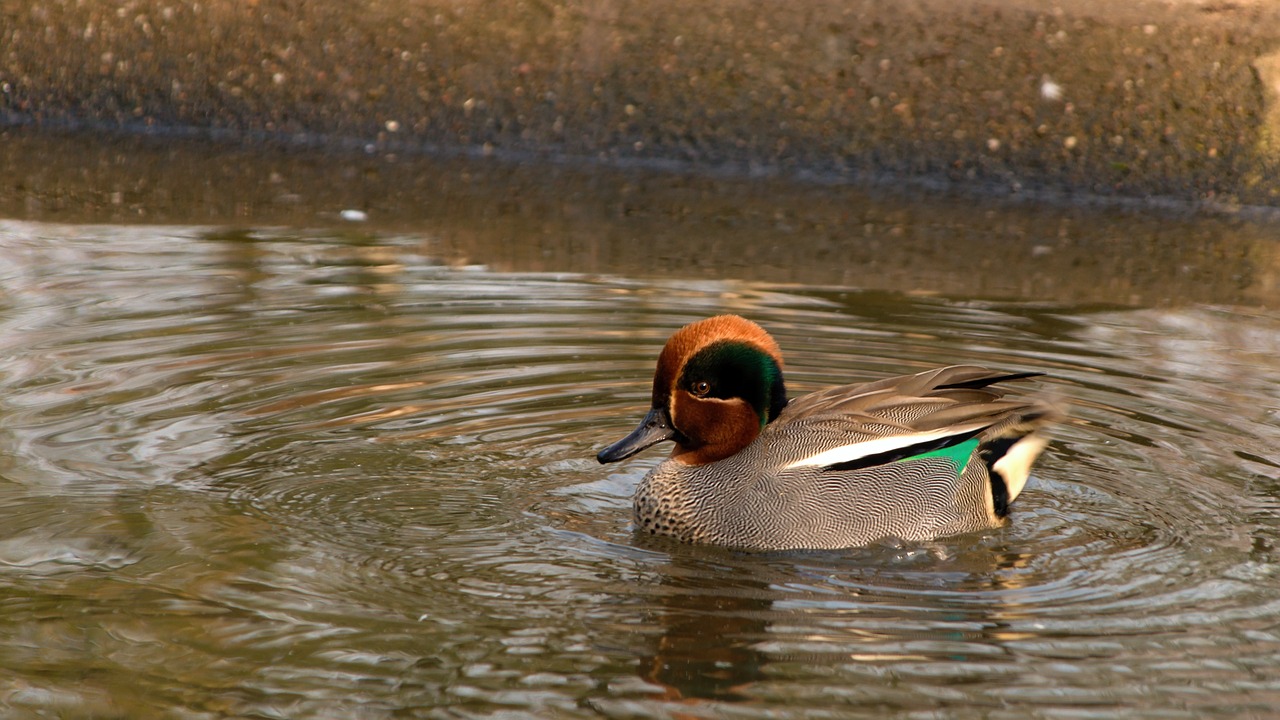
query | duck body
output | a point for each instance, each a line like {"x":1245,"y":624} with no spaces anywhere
{"x":913,"y":457}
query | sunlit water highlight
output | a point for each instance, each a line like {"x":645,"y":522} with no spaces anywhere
{"x":283,"y":475}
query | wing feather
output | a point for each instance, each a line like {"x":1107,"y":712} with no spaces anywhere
{"x":843,"y":424}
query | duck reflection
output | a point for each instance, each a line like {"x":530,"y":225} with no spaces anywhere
{"x":708,"y":647}
{"x":725,"y":617}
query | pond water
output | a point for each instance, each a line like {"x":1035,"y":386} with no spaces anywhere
{"x":283,"y":474}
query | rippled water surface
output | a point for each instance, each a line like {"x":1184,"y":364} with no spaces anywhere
{"x":279,"y":475}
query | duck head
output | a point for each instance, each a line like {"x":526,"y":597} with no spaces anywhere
{"x":718,"y":383}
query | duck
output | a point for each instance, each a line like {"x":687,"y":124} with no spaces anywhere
{"x":914,"y":457}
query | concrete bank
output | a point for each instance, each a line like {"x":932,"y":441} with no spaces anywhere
{"x":1180,"y":100}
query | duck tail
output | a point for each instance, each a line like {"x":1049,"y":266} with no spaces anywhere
{"x":1011,"y":449}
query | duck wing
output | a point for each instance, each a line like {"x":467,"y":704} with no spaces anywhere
{"x":854,"y":426}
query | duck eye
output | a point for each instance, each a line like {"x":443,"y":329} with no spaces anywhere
{"x":700,"y":388}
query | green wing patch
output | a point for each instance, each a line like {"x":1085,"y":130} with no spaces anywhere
{"x":957,"y":454}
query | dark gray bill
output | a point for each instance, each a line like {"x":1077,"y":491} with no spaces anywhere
{"x":655,"y":428}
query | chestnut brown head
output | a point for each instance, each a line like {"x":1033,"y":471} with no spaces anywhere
{"x":718,"y":383}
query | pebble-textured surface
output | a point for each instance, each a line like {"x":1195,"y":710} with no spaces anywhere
{"x":1133,"y":99}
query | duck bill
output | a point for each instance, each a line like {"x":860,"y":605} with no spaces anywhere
{"x":655,"y":428}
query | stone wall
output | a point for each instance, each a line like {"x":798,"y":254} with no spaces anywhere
{"x":1135,"y":99}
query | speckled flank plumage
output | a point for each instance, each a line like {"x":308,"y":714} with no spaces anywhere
{"x":914,"y":457}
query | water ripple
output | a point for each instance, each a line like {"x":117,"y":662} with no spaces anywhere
{"x":364,"y":478}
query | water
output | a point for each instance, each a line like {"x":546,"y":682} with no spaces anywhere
{"x":278,"y":474}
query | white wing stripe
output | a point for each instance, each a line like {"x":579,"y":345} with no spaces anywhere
{"x":847,"y":453}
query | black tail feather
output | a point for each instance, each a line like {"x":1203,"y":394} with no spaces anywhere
{"x":991,"y":452}
{"x":988,"y":380}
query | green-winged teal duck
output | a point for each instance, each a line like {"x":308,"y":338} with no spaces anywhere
{"x":913,"y":457}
